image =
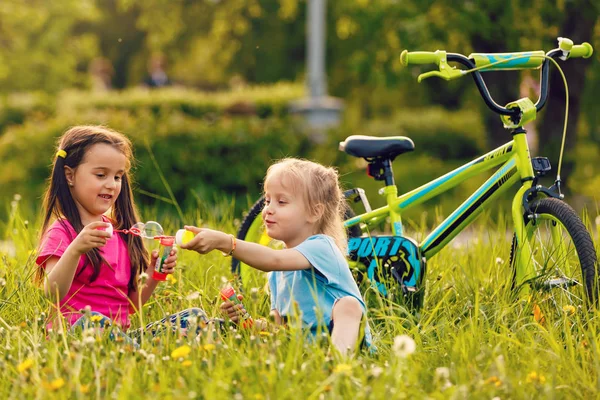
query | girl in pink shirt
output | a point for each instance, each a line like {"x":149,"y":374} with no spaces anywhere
{"x":83,"y":266}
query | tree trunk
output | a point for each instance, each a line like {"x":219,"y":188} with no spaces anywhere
{"x":578,"y":25}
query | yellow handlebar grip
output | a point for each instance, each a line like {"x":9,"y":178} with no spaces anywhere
{"x":584,"y":50}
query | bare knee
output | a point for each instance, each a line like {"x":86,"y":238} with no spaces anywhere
{"x":347,"y":307}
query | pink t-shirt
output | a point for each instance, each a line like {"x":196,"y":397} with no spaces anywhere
{"x":108,"y":294}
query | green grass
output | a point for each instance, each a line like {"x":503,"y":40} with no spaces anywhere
{"x":471,"y":340}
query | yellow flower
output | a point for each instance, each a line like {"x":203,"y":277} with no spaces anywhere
{"x":25,"y":365}
{"x":55,"y":384}
{"x":343,"y":368}
{"x":181,"y":352}
{"x":96,"y":318}
{"x":570,"y":310}
{"x":264,"y":333}
{"x":172,"y":280}
{"x":209,"y":347}
{"x":494,"y":380}
{"x":534,"y":377}
{"x":85,"y":389}
{"x":186,"y":363}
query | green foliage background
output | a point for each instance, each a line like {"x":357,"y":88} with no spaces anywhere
{"x":206,"y":147}
{"x":214,"y":48}
{"x":204,"y":144}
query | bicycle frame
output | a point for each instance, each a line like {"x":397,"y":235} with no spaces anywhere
{"x":514,"y":162}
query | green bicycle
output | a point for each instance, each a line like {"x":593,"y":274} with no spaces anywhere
{"x":552,"y":255}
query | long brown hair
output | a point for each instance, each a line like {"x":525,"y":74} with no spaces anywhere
{"x":60,"y":205}
{"x":318,"y":185}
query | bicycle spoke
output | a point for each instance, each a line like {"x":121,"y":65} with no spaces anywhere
{"x":556,"y":264}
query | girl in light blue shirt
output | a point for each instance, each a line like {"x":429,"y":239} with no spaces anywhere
{"x":310,"y":278}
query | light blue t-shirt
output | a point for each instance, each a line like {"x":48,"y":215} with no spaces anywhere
{"x":311,"y":293}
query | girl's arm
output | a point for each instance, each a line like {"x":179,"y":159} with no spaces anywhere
{"x":137,"y":300}
{"x":60,"y":271}
{"x":255,"y":255}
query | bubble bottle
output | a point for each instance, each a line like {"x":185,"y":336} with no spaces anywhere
{"x":227,"y":293}
{"x":166,"y":245}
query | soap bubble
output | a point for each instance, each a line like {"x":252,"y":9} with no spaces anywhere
{"x":152,"y":229}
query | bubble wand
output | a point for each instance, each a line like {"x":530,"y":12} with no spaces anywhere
{"x":153,"y":230}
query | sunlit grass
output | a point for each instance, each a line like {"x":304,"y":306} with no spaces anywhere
{"x":471,"y":340}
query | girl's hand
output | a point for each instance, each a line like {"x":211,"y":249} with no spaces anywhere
{"x":168,"y":266}
{"x":233,"y":311}
{"x":91,"y":237}
{"x":207,"y":240}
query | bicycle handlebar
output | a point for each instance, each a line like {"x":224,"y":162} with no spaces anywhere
{"x":421,"y":57}
{"x":584,"y":50}
{"x":506,"y":61}
{"x":521,"y":60}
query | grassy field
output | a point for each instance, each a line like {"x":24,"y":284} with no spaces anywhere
{"x":470,"y":340}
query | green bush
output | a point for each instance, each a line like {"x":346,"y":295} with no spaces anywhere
{"x":199,"y":160}
{"x":16,"y":108}
{"x":261,"y":101}
{"x":197,"y":148}
{"x":435,"y":131}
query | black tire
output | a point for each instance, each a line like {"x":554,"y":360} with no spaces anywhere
{"x":255,"y":211}
{"x":252,"y":223}
{"x":559,"y":283}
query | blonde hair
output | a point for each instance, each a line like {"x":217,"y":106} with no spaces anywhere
{"x":319,"y":185}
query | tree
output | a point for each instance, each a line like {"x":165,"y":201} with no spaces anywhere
{"x":578,"y":22}
{"x":40,"y":47}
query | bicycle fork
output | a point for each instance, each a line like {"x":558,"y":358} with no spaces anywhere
{"x":523,"y":257}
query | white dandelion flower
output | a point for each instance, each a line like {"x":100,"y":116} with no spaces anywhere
{"x":193,"y":296}
{"x":442,"y":373}
{"x":376,"y":371}
{"x":143,"y":277}
{"x":404,"y":346}
{"x":89,"y":340}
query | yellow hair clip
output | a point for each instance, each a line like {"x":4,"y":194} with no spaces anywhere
{"x":61,"y":153}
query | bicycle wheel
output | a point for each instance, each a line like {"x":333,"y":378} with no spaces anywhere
{"x":253,"y":230}
{"x":563,"y":258}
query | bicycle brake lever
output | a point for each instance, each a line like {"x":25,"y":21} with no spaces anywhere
{"x":446,"y":72}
